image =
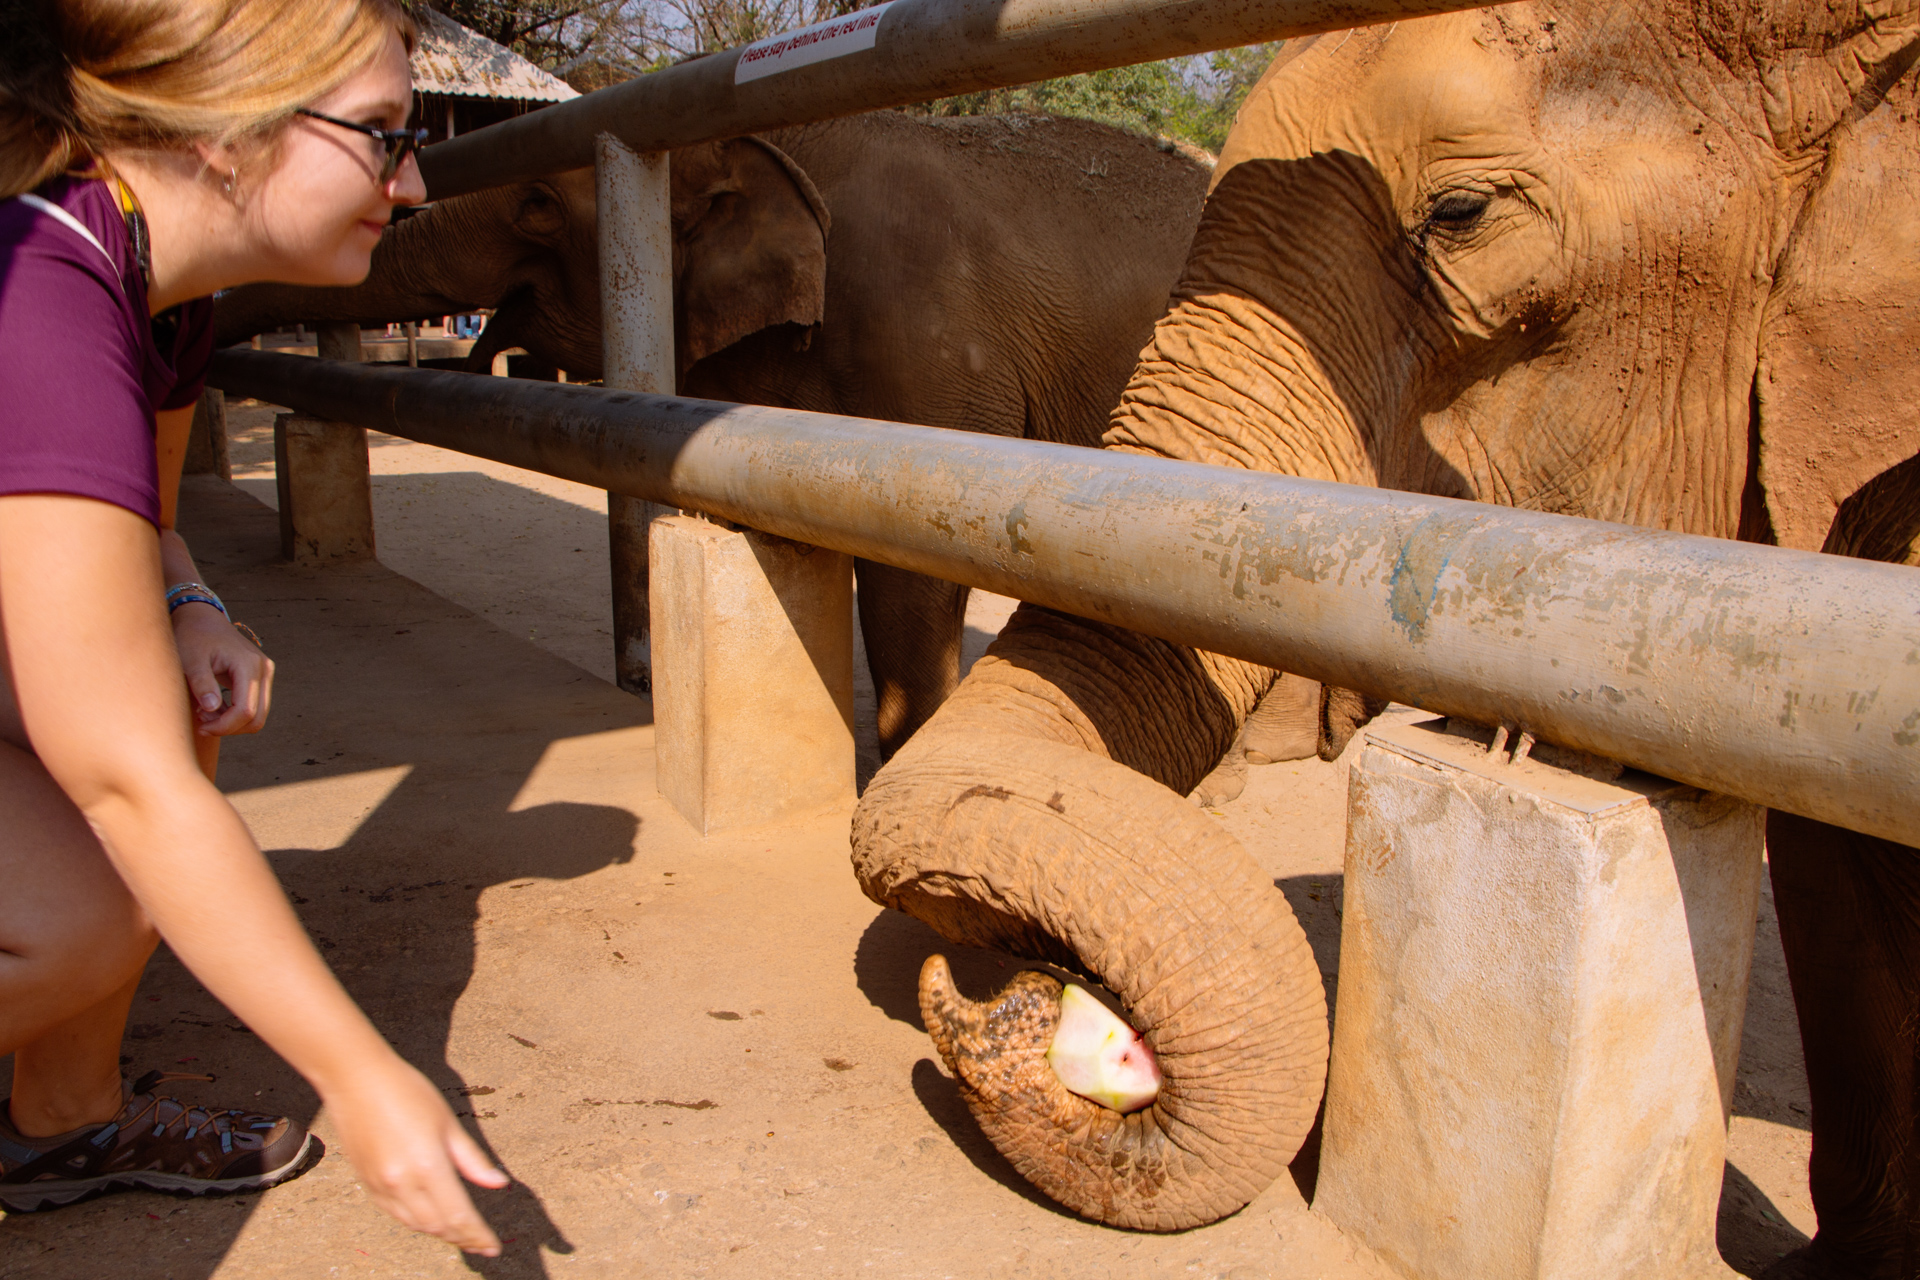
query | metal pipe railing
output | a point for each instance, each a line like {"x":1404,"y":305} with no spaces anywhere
{"x":1784,"y":677}
{"x":917,"y":50}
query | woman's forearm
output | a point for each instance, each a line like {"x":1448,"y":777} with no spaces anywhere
{"x":97,"y":676}
{"x":191,"y":863}
{"x":176,"y":562}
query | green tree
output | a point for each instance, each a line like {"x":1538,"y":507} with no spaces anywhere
{"x":1192,"y":99}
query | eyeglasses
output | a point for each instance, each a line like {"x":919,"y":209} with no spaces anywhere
{"x":399,"y":143}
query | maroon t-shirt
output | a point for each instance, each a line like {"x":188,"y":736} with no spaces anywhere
{"x":82,"y":367}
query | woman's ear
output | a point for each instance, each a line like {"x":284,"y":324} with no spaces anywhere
{"x":753,"y":252}
{"x":1838,"y":384}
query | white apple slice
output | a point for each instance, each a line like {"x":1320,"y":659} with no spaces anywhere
{"x":1100,"y":1057}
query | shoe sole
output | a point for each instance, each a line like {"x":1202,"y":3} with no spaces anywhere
{"x":33,"y":1197}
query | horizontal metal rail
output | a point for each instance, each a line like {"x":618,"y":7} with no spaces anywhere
{"x":1784,"y":677}
{"x":919,"y":49}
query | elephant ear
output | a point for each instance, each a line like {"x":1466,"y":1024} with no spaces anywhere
{"x":1838,"y":382}
{"x":750,"y":246}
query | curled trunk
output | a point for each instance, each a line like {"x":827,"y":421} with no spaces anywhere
{"x":1019,"y":819}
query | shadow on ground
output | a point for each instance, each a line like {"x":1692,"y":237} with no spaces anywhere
{"x":395,"y":906}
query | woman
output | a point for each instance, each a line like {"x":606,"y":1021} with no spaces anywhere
{"x":152,"y":154}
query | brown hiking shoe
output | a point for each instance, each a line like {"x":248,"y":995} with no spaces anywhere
{"x":156,"y":1144}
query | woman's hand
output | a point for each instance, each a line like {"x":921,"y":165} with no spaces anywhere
{"x":407,"y":1147}
{"x":213,"y":654}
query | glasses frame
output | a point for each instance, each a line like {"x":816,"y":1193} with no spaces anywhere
{"x":399,"y":143}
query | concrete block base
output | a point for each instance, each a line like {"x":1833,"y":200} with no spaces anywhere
{"x":1542,"y":982}
{"x":752,"y":674}
{"x":326,"y":491}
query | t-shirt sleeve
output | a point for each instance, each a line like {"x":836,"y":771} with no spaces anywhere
{"x":73,"y":409}
{"x":192,"y":353}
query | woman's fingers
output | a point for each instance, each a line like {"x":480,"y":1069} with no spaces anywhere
{"x":402,"y":1137}
{"x":472,"y":1162}
{"x":215,"y":656}
{"x":204,"y":688}
{"x":250,"y":678}
{"x":432,"y":1201}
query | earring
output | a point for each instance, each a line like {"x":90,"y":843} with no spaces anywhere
{"x":233,"y":176}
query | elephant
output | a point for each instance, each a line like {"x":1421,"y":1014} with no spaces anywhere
{"x":990,"y":273}
{"x":1655,"y":262}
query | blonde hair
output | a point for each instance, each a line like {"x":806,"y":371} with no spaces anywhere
{"x":79,"y":78}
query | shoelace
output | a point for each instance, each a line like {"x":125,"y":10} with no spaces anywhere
{"x":197,"y":1118}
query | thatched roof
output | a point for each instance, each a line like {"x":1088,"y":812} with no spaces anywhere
{"x":453,"y":60}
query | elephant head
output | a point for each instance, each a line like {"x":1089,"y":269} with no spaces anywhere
{"x":749,"y":252}
{"x":1649,"y":262}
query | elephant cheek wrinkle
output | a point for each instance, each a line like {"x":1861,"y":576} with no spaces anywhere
{"x":1098,"y":1056}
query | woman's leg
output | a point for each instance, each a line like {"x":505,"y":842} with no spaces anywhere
{"x":73,"y":943}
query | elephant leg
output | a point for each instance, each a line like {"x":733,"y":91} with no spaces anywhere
{"x":1849,"y":908}
{"x":1286,"y":724}
{"x":1343,"y":712}
{"x":912,"y":626}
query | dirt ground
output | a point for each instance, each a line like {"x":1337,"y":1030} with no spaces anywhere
{"x":696,"y":1057}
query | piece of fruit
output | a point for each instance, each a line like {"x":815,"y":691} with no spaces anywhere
{"x":1098,"y":1056}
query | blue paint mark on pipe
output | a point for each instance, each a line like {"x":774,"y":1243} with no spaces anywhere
{"x":1416,"y":574}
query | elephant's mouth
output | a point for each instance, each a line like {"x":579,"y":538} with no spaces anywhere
{"x":1038,"y":1037}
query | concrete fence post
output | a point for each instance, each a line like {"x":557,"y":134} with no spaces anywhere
{"x":321,"y":472}
{"x":753,"y":674}
{"x":1543,"y":975}
{"x":636,"y":312}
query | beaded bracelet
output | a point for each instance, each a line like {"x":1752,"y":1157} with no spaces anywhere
{"x":194,"y":593}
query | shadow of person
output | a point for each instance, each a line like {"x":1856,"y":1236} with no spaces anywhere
{"x":407,"y":732}
{"x":399,"y":919}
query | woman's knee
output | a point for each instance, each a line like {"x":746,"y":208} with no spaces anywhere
{"x":66,"y":910}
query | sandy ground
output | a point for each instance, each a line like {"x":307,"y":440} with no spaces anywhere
{"x":697,"y":1057}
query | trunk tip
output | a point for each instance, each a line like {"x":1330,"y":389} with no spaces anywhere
{"x":948,"y":1015}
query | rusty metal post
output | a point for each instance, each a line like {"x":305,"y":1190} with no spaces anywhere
{"x":736,"y":611}
{"x":636,"y":325}
{"x":321,"y":472}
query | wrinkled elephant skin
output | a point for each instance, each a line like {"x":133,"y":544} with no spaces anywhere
{"x":1645,"y":262}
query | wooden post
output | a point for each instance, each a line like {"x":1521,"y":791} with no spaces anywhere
{"x":322,"y":474}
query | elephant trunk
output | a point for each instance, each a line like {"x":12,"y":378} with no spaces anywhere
{"x":1013,"y":820}
{"x":406,"y":282}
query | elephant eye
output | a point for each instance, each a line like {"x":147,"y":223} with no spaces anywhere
{"x":540,"y":215}
{"x":1458,"y":210}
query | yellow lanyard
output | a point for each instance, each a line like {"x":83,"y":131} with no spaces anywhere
{"x":136,"y":221}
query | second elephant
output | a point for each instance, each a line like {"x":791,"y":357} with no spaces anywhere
{"x":993,"y":273}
